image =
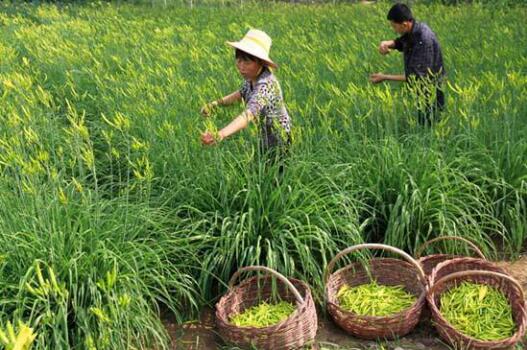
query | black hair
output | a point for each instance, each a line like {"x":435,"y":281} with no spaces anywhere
{"x":400,"y":13}
{"x":244,"y":56}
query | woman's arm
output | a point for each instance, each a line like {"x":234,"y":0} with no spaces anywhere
{"x":206,"y":110}
{"x":237,"y":124}
{"x":236,"y":96}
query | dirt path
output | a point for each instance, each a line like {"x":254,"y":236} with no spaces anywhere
{"x":201,"y":336}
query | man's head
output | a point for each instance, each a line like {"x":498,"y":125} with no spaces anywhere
{"x":401,"y":18}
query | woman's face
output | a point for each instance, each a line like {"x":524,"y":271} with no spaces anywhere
{"x":248,"y":68}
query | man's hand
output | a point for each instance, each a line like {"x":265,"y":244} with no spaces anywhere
{"x":385,"y":47}
{"x":206,"y":110}
{"x":376,"y":78}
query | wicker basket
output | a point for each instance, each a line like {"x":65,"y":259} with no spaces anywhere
{"x":429,"y":262}
{"x":454,"y":265}
{"x":385,"y":271}
{"x":506,"y":284}
{"x":294,"y":332}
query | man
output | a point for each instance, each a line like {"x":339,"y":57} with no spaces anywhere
{"x":423,"y":62}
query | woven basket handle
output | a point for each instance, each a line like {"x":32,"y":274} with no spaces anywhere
{"x":450,"y":238}
{"x":269,"y":271}
{"x":476,"y":273}
{"x":407,"y":257}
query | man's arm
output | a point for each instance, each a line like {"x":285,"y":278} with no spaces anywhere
{"x":394,"y":77}
{"x":386,"y":46}
{"x":380,"y":77}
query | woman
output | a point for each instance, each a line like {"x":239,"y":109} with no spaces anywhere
{"x":261,"y":94}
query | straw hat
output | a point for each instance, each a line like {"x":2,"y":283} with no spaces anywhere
{"x":257,"y":44}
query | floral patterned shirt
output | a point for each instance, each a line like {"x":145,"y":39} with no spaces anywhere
{"x":265,"y":101}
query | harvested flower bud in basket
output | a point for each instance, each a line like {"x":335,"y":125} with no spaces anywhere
{"x":263,"y":315}
{"x":479,"y":311}
{"x":374,"y":299}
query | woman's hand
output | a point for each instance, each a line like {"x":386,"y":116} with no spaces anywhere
{"x":240,"y":122}
{"x":209,"y":139}
{"x":206,"y":110}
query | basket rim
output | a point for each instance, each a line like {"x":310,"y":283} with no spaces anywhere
{"x":375,"y":246}
{"x":304,"y":286}
{"x":352,"y":265}
{"x":440,"y":255}
{"x":432,"y":277}
{"x":374,"y":259}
